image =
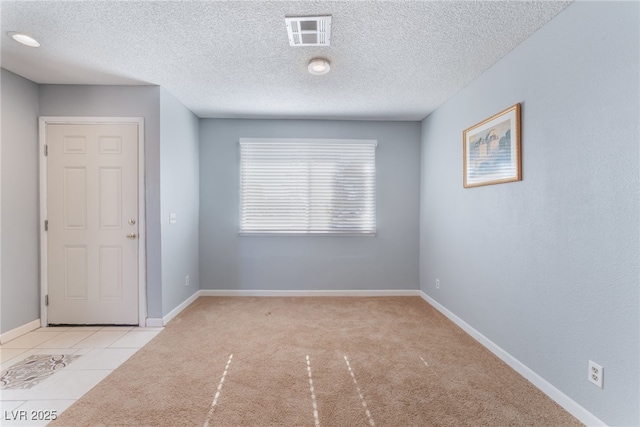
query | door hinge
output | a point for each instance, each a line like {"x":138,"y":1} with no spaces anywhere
{"x":46,"y":150}
{"x":46,"y":300}
{"x":46,"y":225}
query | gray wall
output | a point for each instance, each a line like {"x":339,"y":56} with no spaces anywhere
{"x":547,"y":268}
{"x":123,"y":101}
{"x":179,"y":168}
{"x":386,"y":261}
{"x":20,"y":240}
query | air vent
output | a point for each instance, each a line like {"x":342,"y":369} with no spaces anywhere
{"x":309,"y":30}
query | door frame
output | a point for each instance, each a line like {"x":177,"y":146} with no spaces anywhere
{"x":43,"y":121}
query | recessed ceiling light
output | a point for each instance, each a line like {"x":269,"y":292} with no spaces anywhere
{"x":319,"y":66}
{"x":24,"y":39}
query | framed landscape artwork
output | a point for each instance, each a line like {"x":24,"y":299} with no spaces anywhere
{"x":491,"y":150}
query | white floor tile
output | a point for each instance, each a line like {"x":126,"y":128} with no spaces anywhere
{"x":73,"y":384}
{"x":102,"y":358}
{"x":30,"y":340}
{"x":9,"y":363}
{"x":65,"y":339}
{"x":101,"y":339}
{"x":17,"y":395}
{"x":7,"y":354}
{"x":27,"y":353}
{"x":134,"y":339}
{"x":9,"y":405}
{"x":53,"y":329}
{"x":117,"y":328}
{"x":102,"y":349}
{"x":51,"y":351}
{"x":66,"y":385}
{"x":35,"y":412}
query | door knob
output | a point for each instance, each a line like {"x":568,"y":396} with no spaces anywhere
{"x":132,"y":236}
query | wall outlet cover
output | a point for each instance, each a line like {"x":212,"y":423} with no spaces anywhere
{"x":596,"y":373}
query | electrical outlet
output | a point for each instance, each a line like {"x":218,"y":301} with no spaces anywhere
{"x":186,"y":280}
{"x":437,"y":283}
{"x":596,"y":373}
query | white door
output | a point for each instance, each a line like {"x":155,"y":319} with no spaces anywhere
{"x":92,"y":213}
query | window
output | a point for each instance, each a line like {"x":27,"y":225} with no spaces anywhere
{"x":307,"y":186}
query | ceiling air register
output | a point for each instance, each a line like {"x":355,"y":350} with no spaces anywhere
{"x":309,"y":30}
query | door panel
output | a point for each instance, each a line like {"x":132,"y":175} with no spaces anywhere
{"x":75,"y":272}
{"x":110,"y":272}
{"x":92,"y":209}
{"x":75,"y":198}
{"x":110,"y":200}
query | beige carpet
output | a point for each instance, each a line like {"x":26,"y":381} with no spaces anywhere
{"x":407,"y":366}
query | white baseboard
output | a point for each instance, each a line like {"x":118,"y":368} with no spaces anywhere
{"x":546,"y":387}
{"x":20,"y":330}
{"x":184,"y":304}
{"x":288,"y":293}
{"x":154,"y":322}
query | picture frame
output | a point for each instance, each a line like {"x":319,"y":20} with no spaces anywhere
{"x":492,"y":150}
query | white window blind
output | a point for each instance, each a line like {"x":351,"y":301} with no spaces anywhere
{"x":307,"y":186}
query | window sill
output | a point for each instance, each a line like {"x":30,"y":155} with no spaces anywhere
{"x":306,"y":233}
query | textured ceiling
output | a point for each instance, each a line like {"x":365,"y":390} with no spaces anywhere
{"x":389,"y":60}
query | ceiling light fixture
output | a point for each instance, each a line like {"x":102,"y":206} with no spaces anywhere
{"x":319,"y":66}
{"x":24,"y":39}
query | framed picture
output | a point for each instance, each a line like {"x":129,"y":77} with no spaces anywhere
{"x":491,"y":150}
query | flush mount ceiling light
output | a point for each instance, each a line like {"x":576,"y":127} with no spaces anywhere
{"x":309,"y":30}
{"x":24,"y":39}
{"x":319,"y":66}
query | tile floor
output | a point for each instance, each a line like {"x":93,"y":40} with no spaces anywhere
{"x":102,"y":349}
